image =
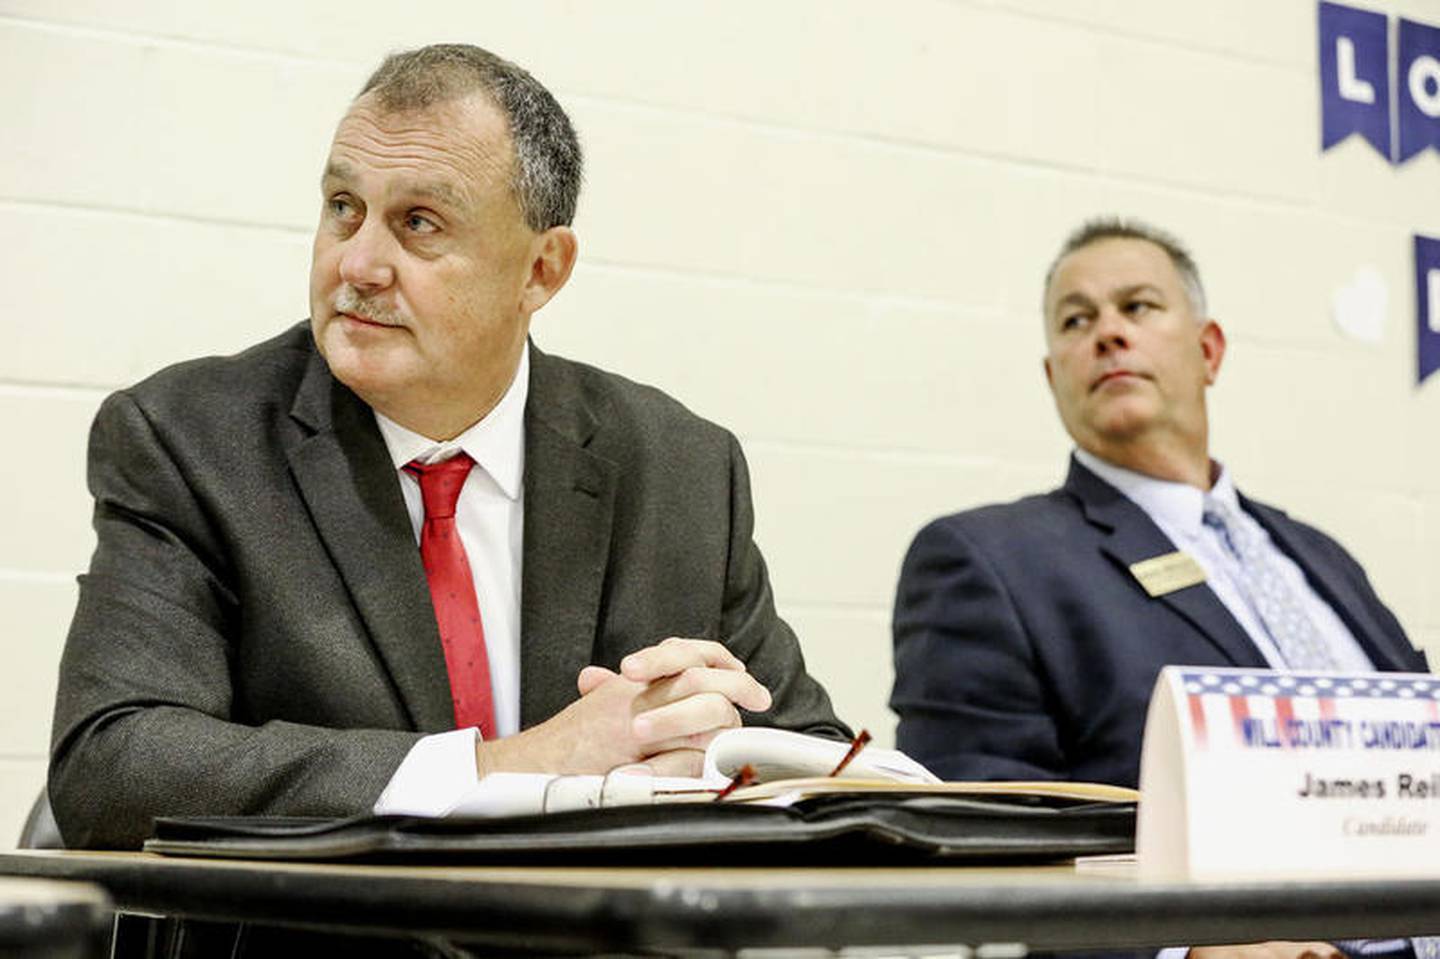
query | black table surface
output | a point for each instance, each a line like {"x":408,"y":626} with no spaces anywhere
{"x":36,"y":913}
{"x":725,"y":910}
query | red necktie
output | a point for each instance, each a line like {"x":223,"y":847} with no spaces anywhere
{"x":452,"y":591}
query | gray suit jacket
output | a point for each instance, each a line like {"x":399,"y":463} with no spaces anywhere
{"x":255,"y":634}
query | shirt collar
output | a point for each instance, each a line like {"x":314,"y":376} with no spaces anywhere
{"x":496,"y":443}
{"x":1177,"y":505}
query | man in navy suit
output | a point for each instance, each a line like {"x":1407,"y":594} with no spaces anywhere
{"x":1026,"y":641}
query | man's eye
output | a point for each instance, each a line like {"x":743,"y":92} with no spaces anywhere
{"x":340,"y":207}
{"x":1072,"y":321}
{"x":1138,"y":307}
{"x":419,"y":223}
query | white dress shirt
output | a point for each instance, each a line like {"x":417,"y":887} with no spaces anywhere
{"x":490,"y":516}
{"x":1178,"y":508}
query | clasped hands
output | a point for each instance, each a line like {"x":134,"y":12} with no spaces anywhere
{"x":661,"y":710}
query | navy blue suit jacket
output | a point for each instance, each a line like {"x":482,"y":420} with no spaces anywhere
{"x":1025,"y":649}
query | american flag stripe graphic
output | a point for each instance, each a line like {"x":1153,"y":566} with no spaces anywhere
{"x":1197,"y":719}
{"x":1239,"y":712}
{"x":1221,"y":695}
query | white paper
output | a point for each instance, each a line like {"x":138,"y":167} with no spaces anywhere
{"x":781,"y":754}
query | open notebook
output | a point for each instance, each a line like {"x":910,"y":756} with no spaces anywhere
{"x":810,"y":802}
{"x":783,"y":768}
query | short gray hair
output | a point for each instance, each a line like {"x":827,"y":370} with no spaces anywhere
{"x":1123,"y":228}
{"x":546,"y":177}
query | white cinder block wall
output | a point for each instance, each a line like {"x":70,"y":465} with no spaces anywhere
{"x":820,"y":222}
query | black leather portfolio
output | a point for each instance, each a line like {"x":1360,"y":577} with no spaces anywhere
{"x":836,"y":829}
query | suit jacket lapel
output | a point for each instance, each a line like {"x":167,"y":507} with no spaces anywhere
{"x":348,"y":482}
{"x":569,"y":507}
{"x":1131,"y":536}
{"x":1334,"y":588}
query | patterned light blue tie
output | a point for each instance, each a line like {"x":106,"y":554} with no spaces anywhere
{"x":1299,"y":642}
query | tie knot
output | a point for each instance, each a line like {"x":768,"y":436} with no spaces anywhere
{"x":1222,"y":518}
{"x":1216,"y":514}
{"x":440,"y":483}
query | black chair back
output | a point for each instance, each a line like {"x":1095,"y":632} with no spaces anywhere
{"x":41,"y":830}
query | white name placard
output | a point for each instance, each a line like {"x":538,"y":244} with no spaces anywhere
{"x":1253,"y":773}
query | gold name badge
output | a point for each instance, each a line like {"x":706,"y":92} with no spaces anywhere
{"x":1165,"y":574}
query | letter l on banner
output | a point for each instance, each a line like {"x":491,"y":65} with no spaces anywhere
{"x":1418,"y":96}
{"x":1354,"y":76}
{"x":1427,"y":304}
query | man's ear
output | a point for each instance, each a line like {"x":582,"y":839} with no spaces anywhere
{"x":552,"y":258}
{"x":1212,"y":348}
{"x":1049,"y":376}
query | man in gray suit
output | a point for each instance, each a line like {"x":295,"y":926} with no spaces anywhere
{"x":257,"y":633}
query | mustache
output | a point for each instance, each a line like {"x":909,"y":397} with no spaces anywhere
{"x":350,"y":300}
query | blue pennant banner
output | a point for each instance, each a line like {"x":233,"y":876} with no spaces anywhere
{"x":1418,"y":78}
{"x":1427,"y":304}
{"x":1354,"y":76}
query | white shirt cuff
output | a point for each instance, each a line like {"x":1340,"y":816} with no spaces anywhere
{"x":435,"y":774}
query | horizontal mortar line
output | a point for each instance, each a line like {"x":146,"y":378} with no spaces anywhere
{"x":195,"y":44}
{"x":1005,"y":162}
{"x":54,"y":389}
{"x":1000,"y":315}
{"x":923,"y":146}
{"x":172,"y":41}
{"x":872,"y":297}
{"x":752,"y":281}
{"x":860,"y":610}
{"x":1121,"y":32}
{"x":1401,"y":496}
{"x":932,"y":149}
{"x":36,"y":576}
{"x":1319,"y":356}
{"x":879,"y":297}
{"x":1265,"y":202}
{"x":910,"y":456}
{"x":1100,"y":178}
{"x":1304,"y":348}
{"x":1260,"y":201}
{"x":1275,"y":488}
{"x":805,"y":132}
{"x":1263,"y":481}
{"x":117,"y":210}
{"x":758,"y":123}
